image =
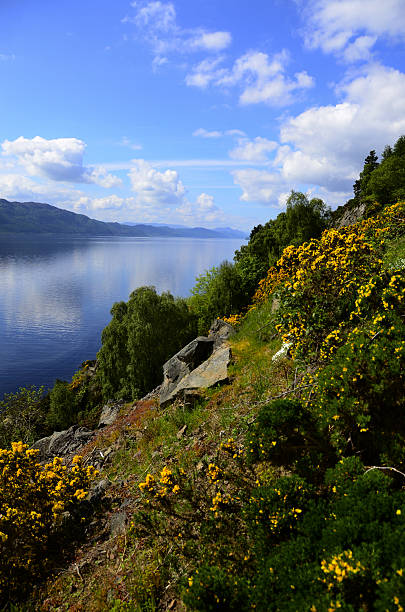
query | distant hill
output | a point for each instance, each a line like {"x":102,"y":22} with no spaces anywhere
{"x":226,"y":232}
{"x":39,"y":218}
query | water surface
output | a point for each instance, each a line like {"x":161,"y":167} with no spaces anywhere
{"x":56,"y":294}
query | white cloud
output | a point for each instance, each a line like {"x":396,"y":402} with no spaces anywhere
{"x":15,"y":186}
{"x":59,"y":159}
{"x":326,"y":145}
{"x":156,"y":22}
{"x":112,"y":202}
{"x":350,"y":28}
{"x":202,"y":133}
{"x":254,"y":150}
{"x":154,"y":187}
{"x":258,"y":185}
{"x":323,"y":148}
{"x":160,"y":16}
{"x":162,"y":195}
{"x":126,"y":142}
{"x":261,"y":79}
{"x":206,"y":72}
{"x":211,"y":41}
{"x":4,"y":57}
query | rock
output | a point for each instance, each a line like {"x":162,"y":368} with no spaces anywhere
{"x":181,"y":432}
{"x":109,"y":413}
{"x":283,"y":352}
{"x":63,"y":443}
{"x":202,"y":363}
{"x":98,"y":490}
{"x":184,"y":362}
{"x":351,"y":215}
{"x":118,"y":523}
{"x":211,"y":372}
{"x":220,"y":332}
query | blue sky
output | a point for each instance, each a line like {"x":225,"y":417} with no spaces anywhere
{"x":199,"y":113}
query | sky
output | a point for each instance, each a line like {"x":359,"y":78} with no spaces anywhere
{"x":202,"y":113}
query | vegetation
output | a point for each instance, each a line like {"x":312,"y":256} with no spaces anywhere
{"x":33,"y":500}
{"x":22,"y":415}
{"x":142,"y":335}
{"x":229,"y":288}
{"x":380,"y":183}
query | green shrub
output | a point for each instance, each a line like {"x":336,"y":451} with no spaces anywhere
{"x":212,"y":588}
{"x":22,"y":415}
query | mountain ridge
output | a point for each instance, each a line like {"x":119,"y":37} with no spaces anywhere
{"x":43,"y":218}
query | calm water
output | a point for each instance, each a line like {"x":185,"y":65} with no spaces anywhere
{"x":56,"y":294}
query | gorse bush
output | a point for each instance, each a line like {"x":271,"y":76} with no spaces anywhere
{"x":303,"y":219}
{"x":33,"y":499}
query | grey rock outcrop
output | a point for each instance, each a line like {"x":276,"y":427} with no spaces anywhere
{"x":63,"y":443}
{"x":109,"y":413}
{"x":220,"y":332}
{"x":351,"y":215}
{"x":199,"y":365}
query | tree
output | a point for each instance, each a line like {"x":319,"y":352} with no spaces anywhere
{"x":220,"y":291}
{"x":303,"y":219}
{"x":141,"y":336}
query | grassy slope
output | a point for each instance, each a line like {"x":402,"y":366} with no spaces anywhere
{"x":109,"y":570}
{"x":144,"y":440}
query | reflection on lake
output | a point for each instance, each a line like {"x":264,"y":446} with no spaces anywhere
{"x":56,"y":294}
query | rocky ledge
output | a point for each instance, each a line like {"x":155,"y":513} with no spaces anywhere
{"x":201,"y":364}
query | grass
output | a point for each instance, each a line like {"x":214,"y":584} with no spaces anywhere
{"x":145,"y":439}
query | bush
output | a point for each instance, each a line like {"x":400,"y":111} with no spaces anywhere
{"x":212,"y":588}
{"x":32,"y":501}
{"x":286,"y":434}
{"x":22,"y":415}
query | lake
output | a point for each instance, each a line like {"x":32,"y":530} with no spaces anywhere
{"x":56,"y":294}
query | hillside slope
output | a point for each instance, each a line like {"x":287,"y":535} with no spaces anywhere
{"x":283,"y":488}
{"x":39,"y":218}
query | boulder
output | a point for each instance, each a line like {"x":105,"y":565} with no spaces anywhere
{"x":351,"y":215}
{"x":220,"y":332}
{"x":63,"y":443}
{"x":209,"y":373}
{"x":109,"y":413}
{"x":182,"y":363}
{"x":283,"y":353}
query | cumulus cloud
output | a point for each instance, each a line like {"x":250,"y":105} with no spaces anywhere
{"x":259,"y":77}
{"x":154,"y":187}
{"x":350,"y":28}
{"x":163,"y":195}
{"x":326,"y":145}
{"x":258,"y":185}
{"x":254,"y":150}
{"x":156,"y":22}
{"x":59,"y":159}
{"x":323,"y":148}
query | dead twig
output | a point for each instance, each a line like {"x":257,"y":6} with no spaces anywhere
{"x":378,"y":467}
